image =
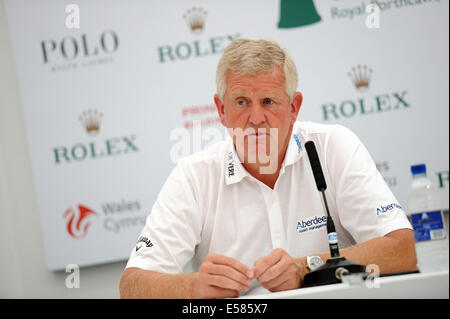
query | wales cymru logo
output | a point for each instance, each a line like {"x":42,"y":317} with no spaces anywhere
{"x":297,"y":13}
{"x":78,"y":221}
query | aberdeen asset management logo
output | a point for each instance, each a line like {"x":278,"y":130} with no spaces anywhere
{"x":312,"y":223}
{"x":384,"y":209}
{"x":78,"y":221}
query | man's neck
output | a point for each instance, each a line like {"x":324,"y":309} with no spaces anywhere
{"x":266,"y":172}
{"x":254,"y":169}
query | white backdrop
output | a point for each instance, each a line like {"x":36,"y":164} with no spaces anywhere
{"x":135,"y":73}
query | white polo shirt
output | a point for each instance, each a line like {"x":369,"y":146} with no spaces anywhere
{"x":211,"y":204}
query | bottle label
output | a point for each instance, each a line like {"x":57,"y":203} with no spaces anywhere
{"x":428,"y":226}
{"x":332,"y":238}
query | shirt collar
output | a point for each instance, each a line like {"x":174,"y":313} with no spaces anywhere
{"x":296,"y":144}
{"x":234,"y":170}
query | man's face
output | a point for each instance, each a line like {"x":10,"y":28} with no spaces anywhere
{"x":259,"y":106}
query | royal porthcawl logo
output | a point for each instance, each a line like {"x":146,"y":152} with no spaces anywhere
{"x":198,"y":47}
{"x":300,"y":13}
{"x":351,"y":10}
{"x":97,"y":148}
{"x":118,"y":216}
{"x":78,"y":51}
{"x":364,"y":104}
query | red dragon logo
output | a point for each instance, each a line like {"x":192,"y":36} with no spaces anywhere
{"x":77,"y":224}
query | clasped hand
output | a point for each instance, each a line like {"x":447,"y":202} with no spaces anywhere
{"x":224,"y":277}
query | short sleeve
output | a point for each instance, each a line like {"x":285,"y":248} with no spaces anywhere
{"x":366,"y":206}
{"x":172,"y":230}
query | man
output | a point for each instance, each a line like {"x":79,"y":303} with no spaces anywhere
{"x":247,"y":211}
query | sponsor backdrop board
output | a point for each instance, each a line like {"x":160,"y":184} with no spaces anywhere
{"x":110,"y":106}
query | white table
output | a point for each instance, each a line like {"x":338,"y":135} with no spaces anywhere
{"x":422,"y":285}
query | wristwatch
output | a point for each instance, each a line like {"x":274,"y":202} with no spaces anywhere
{"x":313,"y":262}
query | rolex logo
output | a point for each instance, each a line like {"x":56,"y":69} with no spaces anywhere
{"x":360,"y":76}
{"x":195,"y":19}
{"x":91,"y":121}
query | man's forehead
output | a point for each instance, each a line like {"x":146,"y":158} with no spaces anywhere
{"x":269,"y":82}
{"x":235,"y":92}
{"x":274,"y":74}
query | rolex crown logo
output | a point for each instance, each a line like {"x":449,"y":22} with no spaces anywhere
{"x":360,"y":76}
{"x":195,"y":19}
{"x":91,"y":121}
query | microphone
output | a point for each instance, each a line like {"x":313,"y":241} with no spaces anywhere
{"x":321,"y":187}
{"x":337,"y":266}
{"x":315,"y":165}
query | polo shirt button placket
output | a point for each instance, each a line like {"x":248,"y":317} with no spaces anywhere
{"x":275,"y":221}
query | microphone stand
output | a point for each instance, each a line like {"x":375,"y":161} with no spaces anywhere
{"x":337,"y":266}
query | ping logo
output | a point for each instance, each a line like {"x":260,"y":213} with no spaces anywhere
{"x":230,"y":164}
{"x":384,"y":209}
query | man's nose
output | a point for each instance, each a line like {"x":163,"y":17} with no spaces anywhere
{"x":257,"y":114}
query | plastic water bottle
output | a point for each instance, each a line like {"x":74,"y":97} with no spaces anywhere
{"x":425,"y":215}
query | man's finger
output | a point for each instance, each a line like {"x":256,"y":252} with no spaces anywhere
{"x":277,"y":281}
{"x":224,"y":260}
{"x":226,"y":283}
{"x":230,"y":272}
{"x":275,"y":270}
{"x":263,"y":263}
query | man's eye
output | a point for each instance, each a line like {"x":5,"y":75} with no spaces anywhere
{"x":241,"y":102}
{"x":268,"y":101}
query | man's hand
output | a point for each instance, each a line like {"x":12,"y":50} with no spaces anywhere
{"x":222,"y":277}
{"x":279,"y":271}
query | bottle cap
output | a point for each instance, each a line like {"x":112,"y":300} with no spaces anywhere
{"x":418,"y":169}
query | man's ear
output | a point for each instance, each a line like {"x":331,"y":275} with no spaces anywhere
{"x":220,"y":108}
{"x":295,"y":105}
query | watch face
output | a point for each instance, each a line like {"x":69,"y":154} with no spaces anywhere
{"x":315,"y":262}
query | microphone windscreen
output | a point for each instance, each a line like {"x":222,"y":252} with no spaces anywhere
{"x":315,"y":165}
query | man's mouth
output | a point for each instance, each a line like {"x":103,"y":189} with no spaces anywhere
{"x":258,"y":134}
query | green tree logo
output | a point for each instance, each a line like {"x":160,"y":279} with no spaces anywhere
{"x":297,"y":13}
